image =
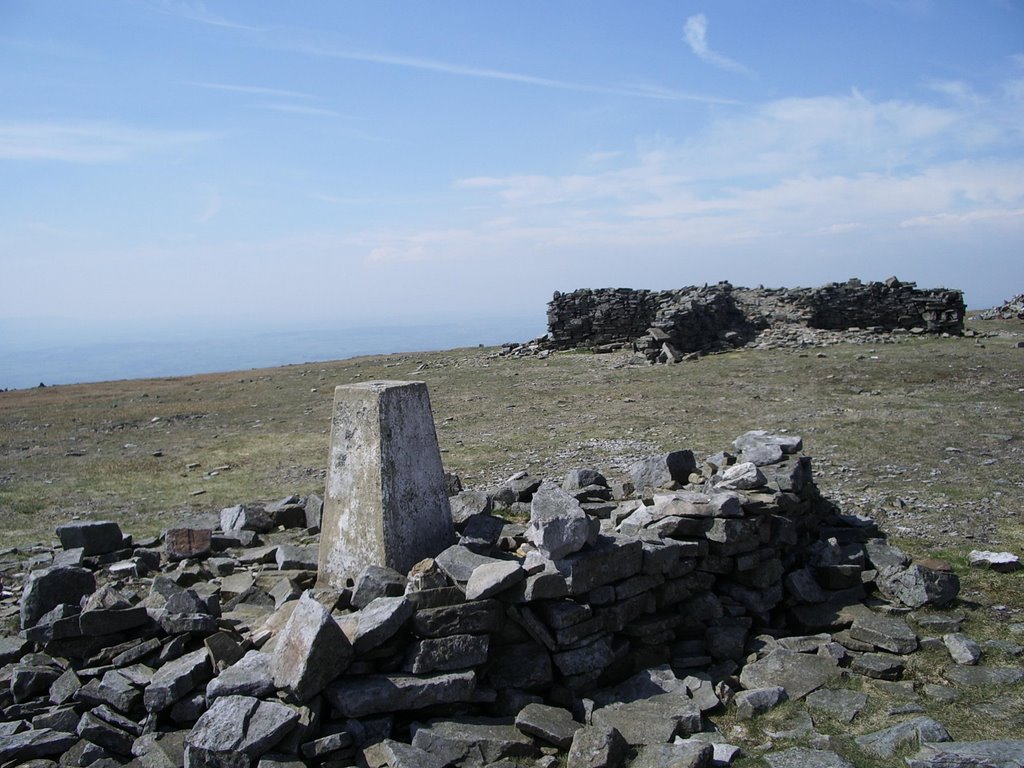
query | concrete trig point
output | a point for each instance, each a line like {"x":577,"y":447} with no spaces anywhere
{"x":385,"y":502}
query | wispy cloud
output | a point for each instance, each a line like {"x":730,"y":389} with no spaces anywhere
{"x":695,"y":32}
{"x":254,"y":90}
{"x":199,"y":13}
{"x":483,"y":73}
{"x":87,"y":142}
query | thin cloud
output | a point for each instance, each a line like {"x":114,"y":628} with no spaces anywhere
{"x":198,"y":12}
{"x":86,"y":142}
{"x":255,"y":90}
{"x":447,"y":68}
{"x":695,"y":32}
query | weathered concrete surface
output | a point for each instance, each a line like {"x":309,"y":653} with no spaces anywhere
{"x":385,"y":502}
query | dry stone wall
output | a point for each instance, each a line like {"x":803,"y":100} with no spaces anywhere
{"x":620,"y":616}
{"x":674,"y":323}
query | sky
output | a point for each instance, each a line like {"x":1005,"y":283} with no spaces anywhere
{"x":243,"y":164}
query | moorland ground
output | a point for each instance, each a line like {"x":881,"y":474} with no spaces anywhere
{"x":924,"y":434}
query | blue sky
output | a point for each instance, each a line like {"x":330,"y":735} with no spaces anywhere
{"x":165,"y":162}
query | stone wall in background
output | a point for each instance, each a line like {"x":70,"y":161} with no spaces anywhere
{"x":670,"y":324}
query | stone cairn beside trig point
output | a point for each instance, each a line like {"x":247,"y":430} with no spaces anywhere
{"x":385,"y":498}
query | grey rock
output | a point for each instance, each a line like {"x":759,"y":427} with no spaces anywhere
{"x":325,"y":746}
{"x":523,"y":666}
{"x":841,"y":704}
{"x":94,"y":537}
{"x":64,"y":687}
{"x":445,"y":654}
{"x":553,"y":725}
{"x":459,"y":562}
{"x":578,"y":479}
{"x":378,"y":622}
{"x":889,"y":633}
{"x":31,"y":680}
{"x":313,"y":509}
{"x":797,"y":673}
{"x":801,"y":757}
{"x":762,"y":455}
{"x":611,"y":558}
{"x":236,"y":731}
{"x":741,"y":477}
{"x":33,"y":744}
{"x":176,"y":678}
{"x":311,"y":650}
{"x":377,"y":581}
{"x":375,"y":694}
{"x":458,"y":741}
{"x":1000,"y":562}
{"x":249,"y":676}
{"x":490,"y":579}
{"x":160,"y":749}
{"x":651,"y":721}
{"x":110,"y":737}
{"x":879,"y":666}
{"x":596,"y":746}
{"x":113,"y":689}
{"x":479,"y":617}
{"x":886,"y":742}
{"x":642,"y":685}
{"x":594,"y":656}
{"x":940,"y":693}
{"x":394,"y":754}
{"x":804,"y":587}
{"x":662,"y":471}
{"x":686,"y":754}
{"x":757,"y":438}
{"x":290,"y":557}
{"x":49,"y":587}
{"x":916,"y":586}
{"x":12,"y":649}
{"x":757,"y":701}
{"x":984,"y":676}
{"x":961,"y":648}
{"x":468,"y":504}
{"x":558,"y":525}
{"x":969,"y":754}
{"x":243,"y":518}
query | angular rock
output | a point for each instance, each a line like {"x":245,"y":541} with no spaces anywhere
{"x":184,"y":543}
{"x":459,"y":562}
{"x":294,"y":558}
{"x":553,"y":725}
{"x":662,"y":471}
{"x":468,"y":504}
{"x":596,"y":746}
{"x":961,"y":648}
{"x":984,"y":676}
{"x":249,"y":676}
{"x":176,"y":678}
{"x":757,"y":438}
{"x":33,"y":744}
{"x":741,"y":477}
{"x":651,"y":721}
{"x":244,"y":518}
{"x":375,"y":694}
{"x":377,"y":581}
{"x":456,"y":741}
{"x":445,"y":654}
{"x":797,"y":673}
{"x":479,"y":617}
{"x":94,"y":537}
{"x":969,"y":754}
{"x":757,"y":701}
{"x":686,"y":754}
{"x":394,"y":754}
{"x":490,"y":579}
{"x":801,"y":757}
{"x":890,"y":633}
{"x":879,"y":666}
{"x":378,"y":622}
{"x":558,"y":525}
{"x":886,"y":742}
{"x":49,"y":587}
{"x":110,"y":737}
{"x":311,"y":650}
{"x":113,"y":689}
{"x":236,"y":731}
{"x":611,"y":558}
{"x":917,"y":585}
{"x":1000,"y":562}
{"x":841,"y":704}
{"x":523,"y":666}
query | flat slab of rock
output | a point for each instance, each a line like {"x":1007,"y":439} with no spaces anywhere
{"x":797,"y":673}
{"x":969,"y":754}
{"x":49,"y":587}
{"x":33,"y":744}
{"x":491,"y":578}
{"x":553,"y":725}
{"x":656,"y":720}
{"x":962,"y":649}
{"x":558,"y":525}
{"x":454,"y":740}
{"x":841,"y":704}
{"x":800,"y":757}
{"x":757,"y":701}
{"x":236,"y":731}
{"x":394,"y":754}
{"x":376,"y":694}
{"x":311,"y":650}
{"x":689,"y":754}
{"x":972,"y":676}
{"x":176,"y":678}
{"x":249,"y":676}
{"x":890,"y":633}
{"x":377,"y":622}
{"x":596,"y":746}
{"x":886,"y":742}
{"x":1001,"y":562}
{"x":94,"y":537}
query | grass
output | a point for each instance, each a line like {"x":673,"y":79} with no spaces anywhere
{"x":924,"y":435}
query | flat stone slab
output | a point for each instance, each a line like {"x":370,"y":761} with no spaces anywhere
{"x":841,"y":704}
{"x":249,"y":676}
{"x":651,"y":721}
{"x":33,"y":744}
{"x":395,"y":754}
{"x":886,"y":742}
{"x":492,"y":578}
{"x":311,"y":650}
{"x":798,"y":673}
{"x":890,"y":633}
{"x":689,"y":754}
{"x":236,"y":731}
{"x":800,"y":757}
{"x":596,"y":746}
{"x":1001,"y":562}
{"x":971,"y":676}
{"x":376,"y":694}
{"x":454,"y":740}
{"x":176,"y":678}
{"x":962,"y":649}
{"x":551,"y":724}
{"x":968,"y":754}
{"x":94,"y":537}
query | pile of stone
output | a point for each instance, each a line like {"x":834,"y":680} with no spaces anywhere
{"x":607,"y":630}
{"x":669,"y":326}
{"x":1011,"y":309}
